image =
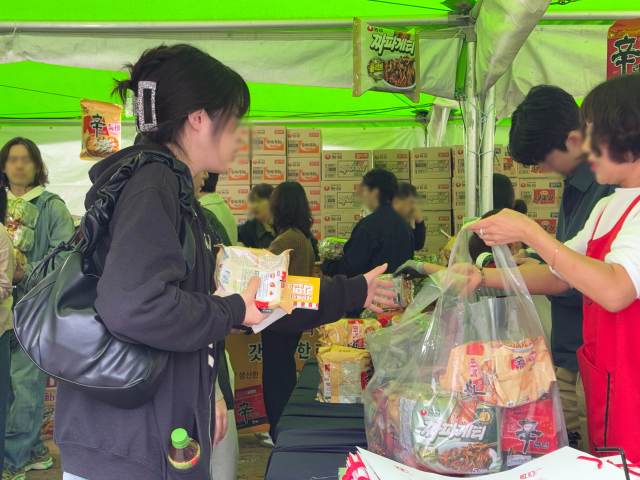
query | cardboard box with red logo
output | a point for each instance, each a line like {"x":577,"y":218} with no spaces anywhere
{"x":396,"y":161}
{"x":543,"y":192}
{"x":503,"y":163}
{"x":236,"y":196}
{"x":430,"y":162}
{"x":533,"y":171}
{"x":546,"y":218}
{"x":458,"y":194}
{"x":314,"y":195}
{"x":339,"y":195}
{"x":305,"y":170}
{"x":269,"y":141}
{"x":240,"y":218}
{"x":244,"y":141}
{"x":345,"y":164}
{"x":268,"y":169}
{"x":339,"y":223}
{"x":437,"y":222}
{"x":238,"y":172}
{"x":457,"y":161}
{"x":303,"y":142}
{"x":458,"y":220}
{"x":316,"y":228}
{"x":434,"y":194}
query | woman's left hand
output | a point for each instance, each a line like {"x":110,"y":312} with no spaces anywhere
{"x":221,"y":422}
{"x":378,"y":291}
{"x":505,"y":227}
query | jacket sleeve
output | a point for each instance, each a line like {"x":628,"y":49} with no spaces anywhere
{"x":60,"y":229}
{"x":356,"y":257}
{"x":337,"y":296}
{"x":419,"y":235}
{"x":139,"y":298}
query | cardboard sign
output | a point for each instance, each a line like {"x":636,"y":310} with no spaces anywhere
{"x":623,"y":48}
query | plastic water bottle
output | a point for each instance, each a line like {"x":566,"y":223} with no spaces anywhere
{"x":184,"y":452}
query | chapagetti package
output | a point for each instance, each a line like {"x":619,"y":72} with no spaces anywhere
{"x":236,"y":265}
{"x":100,"y":129}
{"x":385,"y":60}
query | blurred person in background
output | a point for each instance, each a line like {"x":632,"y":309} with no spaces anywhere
{"x":26,"y":177}
{"x":257,"y":232}
{"x":212,"y":203}
{"x":405,"y":204}
{"x":199,"y":184}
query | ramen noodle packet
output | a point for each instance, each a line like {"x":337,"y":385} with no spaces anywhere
{"x":528,"y":432}
{"x":22,"y":213}
{"x":503,"y":374}
{"x":386,"y":60}
{"x":236,"y":265}
{"x":402,"y":287}
{"x":20,"y":258}
{"x":100,"y":129}
{"x":23,"y":238}
{"x":345,"y":373}
{"x":348,"y":332}
{"x":331,"y":248}
{"x":456,"y":435}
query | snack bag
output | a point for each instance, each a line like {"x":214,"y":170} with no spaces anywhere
{"x":22,"y":213}
{"x":21,"y":258}
{"x":345,"y":373}
{"x":23,"y":238}
{"x":403,"y":289}
{"x":348,"y":332}
{"x":478,"y":368}
{"x":236,"y":265}
{"x":385,"y":60}
{"x":331,"y":248}
{"x":100,"y":129}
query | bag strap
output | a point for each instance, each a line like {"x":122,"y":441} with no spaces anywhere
{"x":95,"y":222}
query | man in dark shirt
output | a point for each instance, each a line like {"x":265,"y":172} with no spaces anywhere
{"x":405,"y":204}
{"x":379,"y":238}
{"x":545,"y":131}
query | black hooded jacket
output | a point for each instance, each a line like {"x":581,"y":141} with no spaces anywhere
{"x":142,"y":299}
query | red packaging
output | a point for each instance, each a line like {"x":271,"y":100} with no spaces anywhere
{"x":528,"y":431}
{"x":623,"y":48}
{"x":250,"y":410}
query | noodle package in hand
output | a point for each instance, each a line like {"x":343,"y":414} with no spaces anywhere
{"x":483,"y":395}
{"x":101,"y":122}
{"x":385,"y":60}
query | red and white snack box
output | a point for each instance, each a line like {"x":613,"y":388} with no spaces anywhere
{"x":268,"y":169}
{"x":542,"y":192}
{"x":236,"y":196}
{"x":238,"y":172}
{"x":269,"y":140}
{"x":545,"y":217}
{"x":316,"y":228}
{"x":303,"y":142}
{"x":314,"y":195}
{"x":345,"y":164}
{"x":305,"y":170}
{"x":244,"y":141}
{"x":396,"y":161}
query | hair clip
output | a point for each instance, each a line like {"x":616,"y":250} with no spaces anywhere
{"x":142,"y":116}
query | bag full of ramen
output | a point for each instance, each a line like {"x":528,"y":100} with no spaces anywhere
{"x":344,"y":373}
{"x":236,"y":265}
{"x":100,"y":129}
{"x":22,"y":213}
{"x":482,"y":380}
{"x":23,"y":238}
{"x":385,"y":60}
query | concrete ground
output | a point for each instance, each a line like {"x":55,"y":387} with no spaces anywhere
{"x":251,"y":465}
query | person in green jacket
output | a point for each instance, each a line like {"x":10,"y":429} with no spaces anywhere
{"x":213,"y":203}
{"x":26,"y":177}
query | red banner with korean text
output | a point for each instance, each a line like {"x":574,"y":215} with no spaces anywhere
{"x":623,"y":48}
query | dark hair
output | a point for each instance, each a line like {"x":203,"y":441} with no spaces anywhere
{"x":542,"y":123}
{"x":290,"y":209}
{"x":406,"y":190}
{"x":262,"y":191}
{"x":42,"y":173}
{"x":520,"y":206}
{"x":503,"y":194}
{"x":385,"y":181}
{"x":188,"y":80}
{"x":614,"y":109}
{"x":210,"y":183}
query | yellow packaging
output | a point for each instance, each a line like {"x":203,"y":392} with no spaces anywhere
{"x":345,"y":373}
{"x":100,"y":129}
{"x":348,"y":332}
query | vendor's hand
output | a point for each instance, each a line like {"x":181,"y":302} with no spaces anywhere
{"x":505,"y":227}
{"x":378,"y":290}
{"x":221,"y":422}
{"x":253,"y":316}
{"x":463,"y":279}
{"x":18,"y":273}
{"x":411,"y":269}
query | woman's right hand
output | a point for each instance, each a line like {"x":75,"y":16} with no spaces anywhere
{"x":253,"y":316}
{"x":18,"y":273}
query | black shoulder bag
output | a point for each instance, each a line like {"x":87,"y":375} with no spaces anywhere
{"x":57,"y":324}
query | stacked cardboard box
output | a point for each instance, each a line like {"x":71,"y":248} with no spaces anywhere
{"x":430,"y":170}
{"x":237,"y":179}
{"x":542,"y":196}
{"x":396,"y":161}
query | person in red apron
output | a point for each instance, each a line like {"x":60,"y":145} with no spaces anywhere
{"x":602,"y":262}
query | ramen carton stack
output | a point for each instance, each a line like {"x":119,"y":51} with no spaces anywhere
{"x":237,"y":178}
{"x":542,"y":194}
{"x":304,"y":165}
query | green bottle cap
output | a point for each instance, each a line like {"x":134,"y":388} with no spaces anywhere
{"x":179,"y":438}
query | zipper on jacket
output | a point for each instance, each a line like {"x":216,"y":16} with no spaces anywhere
{"x":606,"y":412}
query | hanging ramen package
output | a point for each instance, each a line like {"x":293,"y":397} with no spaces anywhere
{"x":236,"y":265}
{"x":470,"y":389}
{"x":100,"y":129}
{"x":385,"y":60}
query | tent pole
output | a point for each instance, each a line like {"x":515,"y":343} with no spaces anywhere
{"x":471,"y":126}
{"x":487,"y":151}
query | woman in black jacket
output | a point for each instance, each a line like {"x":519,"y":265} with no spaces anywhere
{"x":189,"y":105}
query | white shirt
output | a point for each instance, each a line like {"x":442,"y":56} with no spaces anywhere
{"x":625,"y":249}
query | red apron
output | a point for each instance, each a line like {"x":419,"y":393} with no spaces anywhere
{"x":610,"y":363}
